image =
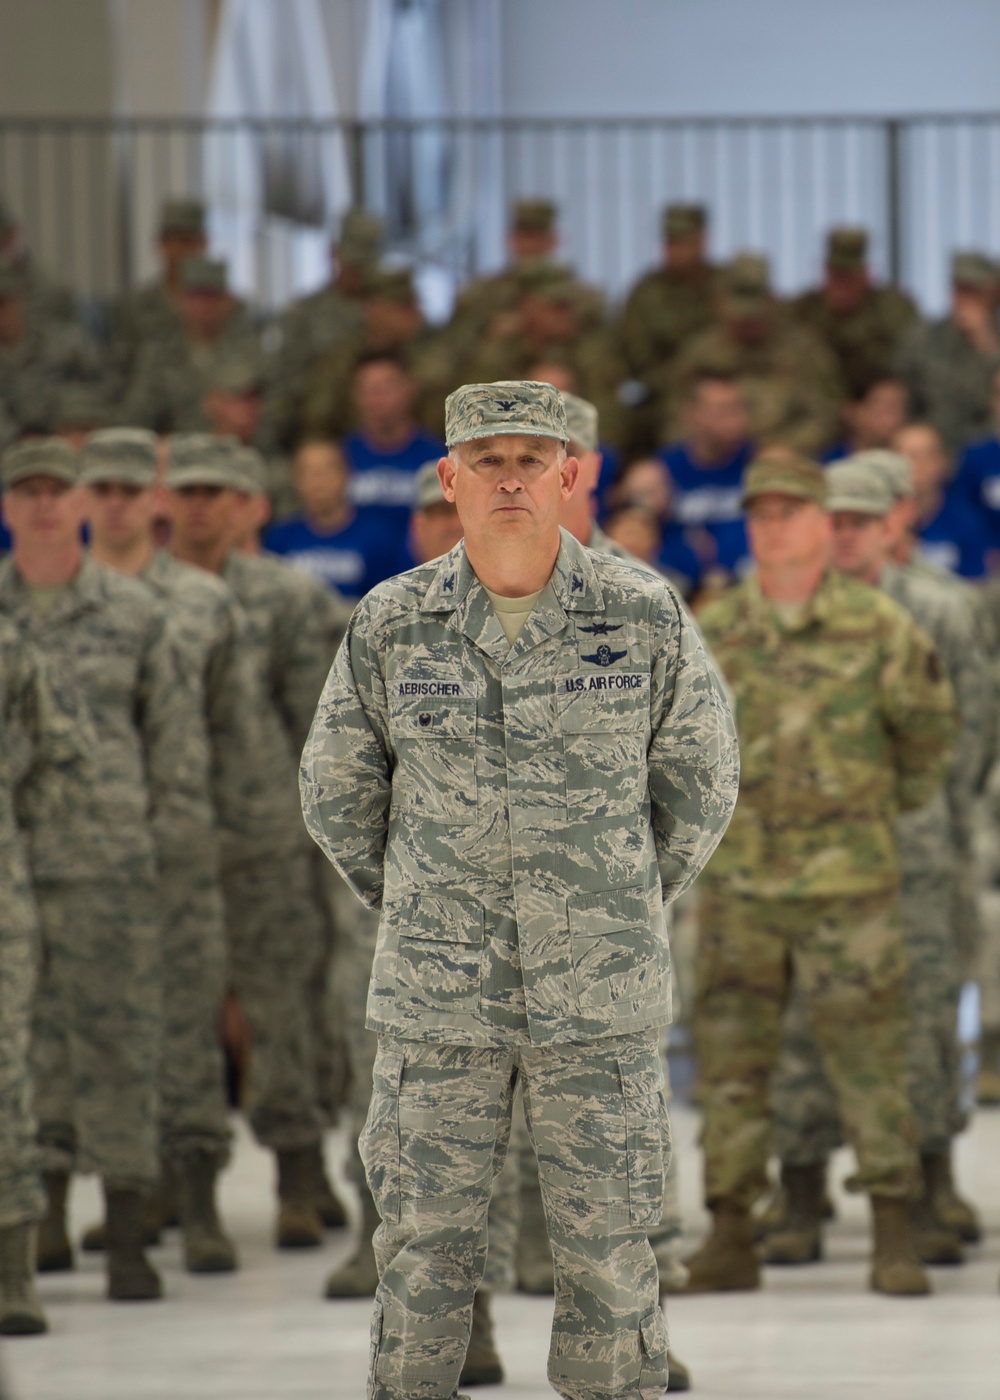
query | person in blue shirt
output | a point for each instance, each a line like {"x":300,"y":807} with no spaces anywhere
{"x":873,"y":412}
{"x":389,"y":446}
{"x":977,"y":481}
{"x":345,"y":549}
{"x":706,"y":468}
{"x":948,"y":531}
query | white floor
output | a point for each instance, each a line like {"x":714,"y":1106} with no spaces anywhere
{"x":266,"y":1334}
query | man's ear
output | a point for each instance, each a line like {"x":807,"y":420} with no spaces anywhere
{"x":446,"y":475}
{"x":569,"y":473}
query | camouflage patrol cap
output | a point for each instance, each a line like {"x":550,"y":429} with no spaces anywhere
{"x":203,"y":459}
{"x":360,"y":237}
{"x":846,"y":249}
{"x":581,"y":422}
{"x":119,"y":454}
{"x":393,"y":284}
{"x":892,"y":468}
{"x":850,"y":487}
{"x":203,"y":275}
{"x":746,"y":283}
{"x":239,"y":372}
{"x":251,"y":467}
{"x":428,"y":487}
{"x":507,"y":408}
{"x":973,"y":270}
{"x":785,"y":474}
{"x":533,"y":216}
{"x":684,"y":220}
{"x":182,"y":216}
{"x":48,"y":456}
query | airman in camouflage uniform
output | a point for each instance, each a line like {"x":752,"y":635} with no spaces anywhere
{"x":949,"y":365}
{"x":790,"y":379}
{"x":174,"y":372}
{"x":664,"y":310}
{"x":97,"y":1037}
{"x":519,"y":786}
{"x":807,"y":1125}
{"x":860,"y":322}
{"x":844,"y":720}
{"x":273,"y":922}
{"x":39,"y":741}
{"x":210,"y":635}
{"x":532,"y":238}
{"x":46,"y":300}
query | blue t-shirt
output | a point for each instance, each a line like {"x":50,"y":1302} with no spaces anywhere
{"x":956,"y":539}
{"x":5,"y":540}
{"x":977,"y":483}
{"x":678,"y":560}
{"x":707,"y":499}
{"x":837,"y":453}
{"x":383,"y":483}
{"x":351,"y":560}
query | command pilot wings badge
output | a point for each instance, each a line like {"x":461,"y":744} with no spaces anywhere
{"x":604,"y":656}
{"x":601,"y":629}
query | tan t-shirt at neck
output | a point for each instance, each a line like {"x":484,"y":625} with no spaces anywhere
{"x":512,"y":613}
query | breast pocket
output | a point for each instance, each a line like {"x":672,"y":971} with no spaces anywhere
{"x":604,"y":737}
{"x":435,"y":741}
{"x":439,"y":953}
{"x":619,"y":953}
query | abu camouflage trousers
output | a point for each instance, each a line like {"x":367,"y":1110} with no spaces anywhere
{"x":192,"y":1076}
{"x":436,"y":1138}
{"x":806,"y":1120}
{"x":22,"y":1198}
{"x":274,"y":932}
{"x":96,"y":1038}
{"x":847,"y":957}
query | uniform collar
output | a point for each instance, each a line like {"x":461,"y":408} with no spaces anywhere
{"x":817,"y":609}
{"x":84,"y":591}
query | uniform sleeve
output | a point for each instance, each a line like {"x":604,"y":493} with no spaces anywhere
{"x":175,"y":745}
{"x":918,"y":708}
{"x":50,"y":745}
{"x":305,"y":659}
{"x":346,"y":774}
{"x":234,"y":704}
{"x":693,"y":757}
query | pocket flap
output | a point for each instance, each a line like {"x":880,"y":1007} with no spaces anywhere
{"x":653,"y":1330}
{"x":617,"y":701}
{"x":597,"y":914}
{"x":431,"y":717}
{"x":440,"y":919}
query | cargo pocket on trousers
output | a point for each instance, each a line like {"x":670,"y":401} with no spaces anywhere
{"x":379,"y":1140}
{"x":653,"y":1374}
{"x":646,"y":1140}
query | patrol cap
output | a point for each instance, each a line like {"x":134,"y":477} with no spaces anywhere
{"x":506,"y":408}
{"x":973,"y":270}
{"x":891,"y":467}
{"x":80,"y":403}
{"x":360,"y":236}
{"x":684,"y":220}
{"x":48,"y":456}
{"x":393,"y":284}
{"x":533,"y":216}
{"x":581,"y":422}
{"x":203,"y":459}
{"x":203,"y":275}
{"x":786,"y":474}
{"x":185,"y":216}
{"x":746,"y":283}
{"x":428,"y":487}
{"x":239,"y":372}
{"x":251,"y":467}
{"x":119,"y":454}
{"x":854,"y":488}
{"x":846,"y":249}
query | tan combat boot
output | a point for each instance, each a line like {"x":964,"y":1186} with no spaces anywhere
{"x":896,"y":1268}
{"x":357,"y":1277}
{"x":299,"y":1225}
{"x":21,"y":1312}
{"x":482,"y":1363}
{"x":55,"y":1253}
{"x":798,"y":1240}
{"x":161,"y":1214}
{"x":207,"y":1248}
{"x":533,"y":1267}
{"x":330,"y":1208}
{"x":953,"y":1212}
{"x":934,"y":1242}
{"x":678,"y":1375}
{"x":726,"y":1261}
{"x":131,"y":1277}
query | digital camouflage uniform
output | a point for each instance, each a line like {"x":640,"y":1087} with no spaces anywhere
{"x":863,"y":340}
{"x":519,"y":813}
{"x":43,"y":763}
{"x":98,"y":1017}
{"x":807,"y":1124}
{"x":949,"y":380}
{"x":844,"y":720}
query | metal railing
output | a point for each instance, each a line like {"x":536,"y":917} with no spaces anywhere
{"x":88,"y":191}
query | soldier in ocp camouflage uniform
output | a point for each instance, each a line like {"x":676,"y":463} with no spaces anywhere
{"x":98,"y":1017}
{"x":519,"y":763}
{"x":807,"y":1123}
{"x":844,"y":720}
{"x":40,"y":742}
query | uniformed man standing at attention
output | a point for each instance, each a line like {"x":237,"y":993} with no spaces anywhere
{"x":522,"y":753}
